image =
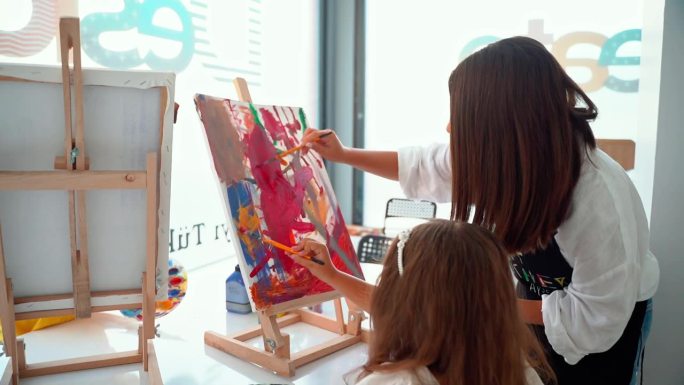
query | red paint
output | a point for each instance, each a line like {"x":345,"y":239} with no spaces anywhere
{"x":259,"y":267}
{"x":280,"y":200}
{"x":293,"y":126}
{"x":276,"y":129}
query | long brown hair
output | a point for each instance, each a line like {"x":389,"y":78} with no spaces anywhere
{"x":453,"y":310}
{"x":519,"y":132}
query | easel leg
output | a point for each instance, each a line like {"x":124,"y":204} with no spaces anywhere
{"x":150,"y":275}
{"x":70,"y":41}
{"x":79,"y":265}
{"x":274,"y":341}
{"x":8,"y":328}
{"x":339,"y":316}
{"x":21,"y":354}
{"x":147,"y":323}
{"x":141,"y":340}
{"x":356,"y":316}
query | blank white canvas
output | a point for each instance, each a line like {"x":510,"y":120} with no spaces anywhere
{"x":122,"y":124}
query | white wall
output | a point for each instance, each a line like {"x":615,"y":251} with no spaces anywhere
{"x":664,"y":363}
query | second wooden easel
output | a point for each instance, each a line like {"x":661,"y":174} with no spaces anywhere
{"x":276,"y":355}
{"x":72,"y":174}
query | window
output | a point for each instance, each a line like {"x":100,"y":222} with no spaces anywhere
{"x":207,"y":43}
{"x":412,"y":47}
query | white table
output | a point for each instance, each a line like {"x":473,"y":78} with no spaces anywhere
{"x":183,"y":359}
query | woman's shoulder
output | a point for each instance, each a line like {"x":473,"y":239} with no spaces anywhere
{"x":606,"y":212}
{"x":418,"y":376}
{"x":603,"y":190}
{"x":601,"y":174}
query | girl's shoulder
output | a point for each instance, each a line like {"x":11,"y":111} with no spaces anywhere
{"x":531,"y":376}
{"x":418,"y":376}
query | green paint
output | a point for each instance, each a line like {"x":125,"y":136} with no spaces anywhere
{"x":256,"y":115}
{"x":302,"y":117}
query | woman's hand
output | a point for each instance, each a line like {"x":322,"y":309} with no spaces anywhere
{"x":308,"y":248}
{"x":328,"y":146}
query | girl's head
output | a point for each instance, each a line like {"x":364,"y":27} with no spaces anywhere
{"x":519,"y":132}
{"x":452,"y":309}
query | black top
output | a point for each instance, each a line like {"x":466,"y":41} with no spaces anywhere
{"x":541,"y":272}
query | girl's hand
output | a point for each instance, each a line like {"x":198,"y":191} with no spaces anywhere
{"x":329,"y":147}
{"x":308,"y":248}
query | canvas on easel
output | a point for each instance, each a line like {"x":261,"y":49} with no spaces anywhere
{"x":85,"y":166}
{"x":285,"y":199}
{"x":266,"y":198}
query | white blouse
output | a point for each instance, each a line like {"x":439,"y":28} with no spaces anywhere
{"x":419,"y":376}
{"x":604,"y":239}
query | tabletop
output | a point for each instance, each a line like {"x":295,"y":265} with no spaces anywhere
{"x":183,"y":358}
{"x":181,"y":354}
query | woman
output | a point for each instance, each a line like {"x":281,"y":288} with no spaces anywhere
{"x":523,"y":163}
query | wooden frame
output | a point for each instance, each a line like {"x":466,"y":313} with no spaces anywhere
{"x":72,"y":174}
{"x":276,"y":355}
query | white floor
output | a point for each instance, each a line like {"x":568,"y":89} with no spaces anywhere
{"x":182,"y":356}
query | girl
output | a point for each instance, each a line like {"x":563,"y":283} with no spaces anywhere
{"x":523,"y":163}
{"x":453,"y":322}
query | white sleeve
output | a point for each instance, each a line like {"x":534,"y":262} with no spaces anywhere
{"x":599,"y":241}
{"x":425,"y":172}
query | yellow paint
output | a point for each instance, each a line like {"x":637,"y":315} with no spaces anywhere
{"x":249,"y":223}
{"x":29,"y":325}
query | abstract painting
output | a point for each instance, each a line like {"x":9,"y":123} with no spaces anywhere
{"x":285,"y":199}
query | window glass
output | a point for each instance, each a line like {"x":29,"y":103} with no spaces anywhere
{"x":412,"y":47}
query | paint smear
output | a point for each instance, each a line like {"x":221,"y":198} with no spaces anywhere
{"x":226,"y":148}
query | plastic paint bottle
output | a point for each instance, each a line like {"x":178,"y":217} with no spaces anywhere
{"x":237,"y":300}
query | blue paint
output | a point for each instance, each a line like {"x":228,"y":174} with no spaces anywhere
{"x":240,"y":195}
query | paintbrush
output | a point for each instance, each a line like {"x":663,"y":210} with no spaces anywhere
{"x":298,"y":148}
{"x":291,"y":250}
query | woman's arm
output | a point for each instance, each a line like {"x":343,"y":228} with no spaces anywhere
{"x":328,"y":145}
{"x":381,"y":163}
{"x":531,"y":311}
{"x":354,"y":289}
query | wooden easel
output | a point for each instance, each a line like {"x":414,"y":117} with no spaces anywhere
{"x":72,"y":174}
{"x":276,"y":355}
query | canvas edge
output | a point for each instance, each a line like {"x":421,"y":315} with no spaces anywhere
{"x":165,"y":175}
{"x":301,"y":302}
{"x":225,"y":204}
{"x":91,"y":76}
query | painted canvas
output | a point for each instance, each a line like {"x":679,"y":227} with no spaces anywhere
{"x":265,"y":197}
